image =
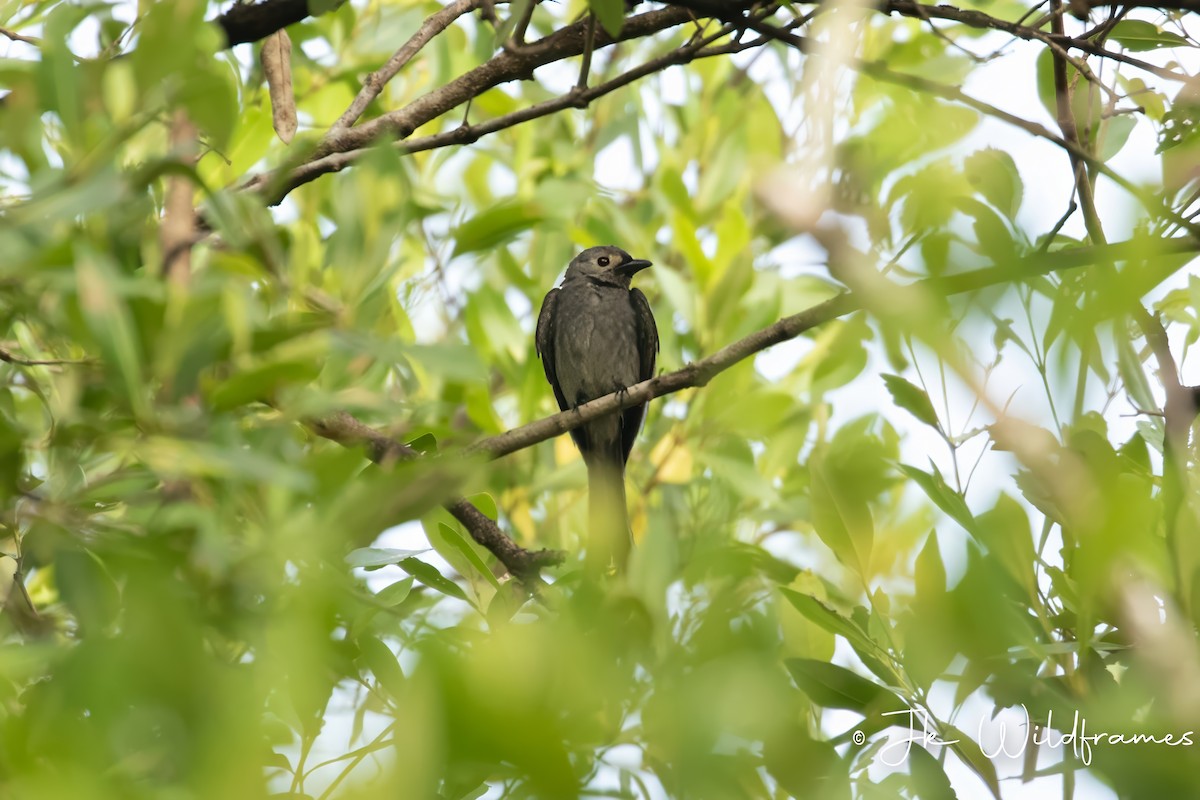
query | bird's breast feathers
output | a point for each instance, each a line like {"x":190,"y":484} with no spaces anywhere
{"x":595,"y":327}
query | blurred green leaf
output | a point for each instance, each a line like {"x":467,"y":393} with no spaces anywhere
{"x":832,"y":686}
{"x":378,"y":657}
{"x":994,"y":175}
{"x":842,"y":519}
{"x":468,"y":550}
{"x":1139,"y":35}
{"x":912,"y":399}
{"x":828,"y":618}
{"x":429,"y":576}
{"x":944,"y":497}
{"x":929,"y":779}
{"x":379,"y":556}
{"x":395,"y":593}
{"x":611,"y":14}
{"x":494,"y":227}
{"x":111,"y":324}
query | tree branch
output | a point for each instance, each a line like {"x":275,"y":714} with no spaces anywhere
{"x":348,"y":431}
{"x":344,"y":143}
{"x":8,"y":358}
{"x":701,"y":372}
{"x":502,"y":68}
{"x":16,"y":37}
{"x":246,"y":22}
{"x":467,"y":134}
{"x":375,"y":82}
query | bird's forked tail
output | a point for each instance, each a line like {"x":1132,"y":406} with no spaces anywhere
{"x":610,"y":538}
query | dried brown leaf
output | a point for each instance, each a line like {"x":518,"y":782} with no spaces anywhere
{"x":276,"y":58}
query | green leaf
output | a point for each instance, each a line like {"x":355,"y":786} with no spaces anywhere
{"x":486,"y":505}
{"x":1114,"y":133}
{"x":929,"y":574}
{"x":971,"y":754}
{"x":831,"y":686}
{"x":1004,"y":531}
{"x":828,"y":618}
{"x":1139,"y":35}
{"x":260,"y":383}
{"x":379,"y":658}
{"x":994,"y":175}
{"x":453,"y":362}
{"x":425,"y":444}
{"x":87,"y":589}
{"x":396,"y":593}
{"x":463,"y":546}
{"x":110,"y":323}
{"x":210,"y":97}
{"x":165,"y":54}
{"x":929,"y":779}
{"x":912,"y":399}
{"x":840,"y":353}
{"x":842,"y":519}
{"x":376,"y":557}
{"x":994,"y":237}
{"x":944,"y":497}
{"x":496,"y":226}
{"x":611,"y":14}
{"x":428,"y":575}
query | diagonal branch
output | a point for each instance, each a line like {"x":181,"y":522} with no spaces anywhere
{"x":250,"y":22}
{"x":699,"y":373}
{"x":375,"y":82}
{"x":502,"y":68}
{"x":8,"y":358}
{"x":522,"y":564}
{"x":467,"y":134}
{"x":16,"y":37}
{"x":345,"y":142}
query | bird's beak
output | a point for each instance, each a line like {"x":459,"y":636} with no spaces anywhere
{"x":632,"y":267}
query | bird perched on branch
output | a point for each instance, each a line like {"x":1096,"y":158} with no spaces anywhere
{"x":596,"y":336}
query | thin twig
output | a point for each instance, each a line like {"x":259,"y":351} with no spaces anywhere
{"x":7,"y":357}
{"x":587,"y":53}
{"x":516,"y":43}
{"x":16,"y":37}
{"x":374,"y":83}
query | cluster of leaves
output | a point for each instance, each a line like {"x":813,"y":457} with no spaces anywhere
{"x":196,"y":603}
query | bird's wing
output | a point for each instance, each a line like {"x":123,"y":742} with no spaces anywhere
{"x":544,"y":341}
{"x":647,"y":345}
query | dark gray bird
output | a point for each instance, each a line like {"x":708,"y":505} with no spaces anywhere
{"x":596,"y":336}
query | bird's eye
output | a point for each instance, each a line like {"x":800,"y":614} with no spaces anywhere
{"x":602,"y":261}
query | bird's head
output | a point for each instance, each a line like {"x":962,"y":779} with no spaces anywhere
{"x":607,"y":263}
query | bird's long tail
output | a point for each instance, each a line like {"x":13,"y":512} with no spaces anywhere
{"x":608,"y":518}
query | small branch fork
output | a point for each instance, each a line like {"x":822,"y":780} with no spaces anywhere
{"x":522,"y":564}
{"x":375,"y":82}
